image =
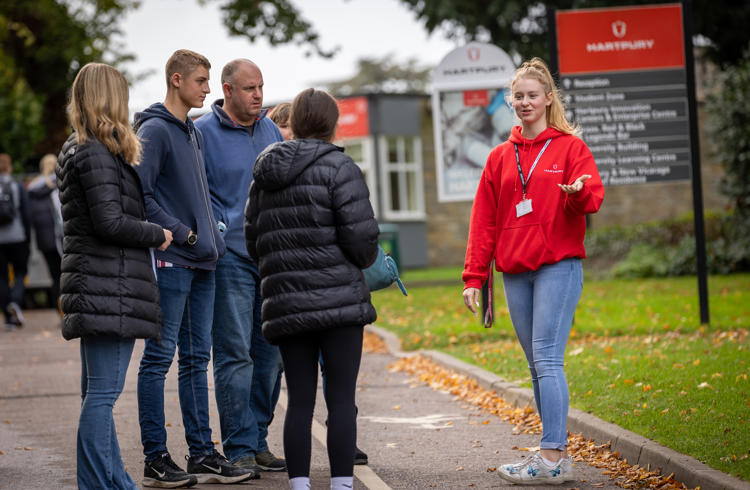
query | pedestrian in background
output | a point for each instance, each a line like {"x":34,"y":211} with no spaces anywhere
{"x":109,"y":294}
{"x":310,"y":256}
{"x":280,"y":116}
{"x":44,"y":203}
{"x":15,"y":231}
{"x":529,"y":217}
{"x":247,"y":368}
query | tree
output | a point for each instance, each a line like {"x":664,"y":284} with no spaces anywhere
{"x":43,"y":44}
{"x":382,"y":76}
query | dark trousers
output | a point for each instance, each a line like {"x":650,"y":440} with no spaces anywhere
{"x":341,"y":349}
{"x":54,"y":262}
{"x":17,"y":255}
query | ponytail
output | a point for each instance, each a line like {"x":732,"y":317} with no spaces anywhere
{"x":537,"y":69}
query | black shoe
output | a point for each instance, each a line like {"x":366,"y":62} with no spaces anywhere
{"x":215,"y":468}
{"x":162,"y":472}
{"x":359,"y":456}
{"x":268,"y":462}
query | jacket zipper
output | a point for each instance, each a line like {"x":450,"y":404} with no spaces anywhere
{"x":203,"y":188}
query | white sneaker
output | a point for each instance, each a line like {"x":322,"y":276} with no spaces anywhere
{"x":535,"y":471}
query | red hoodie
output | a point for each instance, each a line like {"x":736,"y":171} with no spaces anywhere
{"x":555,"y":228}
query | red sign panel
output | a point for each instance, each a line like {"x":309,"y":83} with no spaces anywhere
{"x":637,"y":38}
{"x":354,"y":118}
{"x":476,"y":98}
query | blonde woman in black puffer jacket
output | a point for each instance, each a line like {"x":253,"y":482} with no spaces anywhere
{"x":109,"y":295}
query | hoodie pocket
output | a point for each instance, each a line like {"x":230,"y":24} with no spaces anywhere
{"x":522,"y":247}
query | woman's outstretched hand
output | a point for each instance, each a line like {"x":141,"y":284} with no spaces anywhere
{"x":576,"y":186}
{"x":471,"y":299}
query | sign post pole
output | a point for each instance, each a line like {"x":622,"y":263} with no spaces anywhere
{"x":700,"y":234}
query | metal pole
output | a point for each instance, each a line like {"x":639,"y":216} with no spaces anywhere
{"x":700,"y":233}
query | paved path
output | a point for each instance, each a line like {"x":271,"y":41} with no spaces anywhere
{"x":429,"y":441}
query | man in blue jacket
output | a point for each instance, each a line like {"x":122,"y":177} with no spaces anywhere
{"x":247,"y":368}
{"x":177,"y":198}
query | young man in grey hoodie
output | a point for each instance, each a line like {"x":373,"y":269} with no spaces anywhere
{"x":174,"y":184}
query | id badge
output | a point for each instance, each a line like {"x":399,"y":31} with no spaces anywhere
{"x":523,"y":208}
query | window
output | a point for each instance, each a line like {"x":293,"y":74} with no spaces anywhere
{"x":401,"y":175}
{"x":360,"y":150}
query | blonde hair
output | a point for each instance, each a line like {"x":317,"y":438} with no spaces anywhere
{"x":184,"y":62}
{"x":47,"y":164}
{"x":537,"y":69}
{"x":99,"y":108}
{"x":280,"y":113}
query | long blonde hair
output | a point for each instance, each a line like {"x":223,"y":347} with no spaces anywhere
{"x":99,"y":107}
{"x":537,"y":69}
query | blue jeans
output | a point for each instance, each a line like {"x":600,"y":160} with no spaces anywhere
{"x":187,"y":304}
{"x":247,"y":369}
{"x":541,"y":305}
{"x":104,"y":364}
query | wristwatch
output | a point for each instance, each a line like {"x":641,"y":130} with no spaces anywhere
{"x":192,"y":238}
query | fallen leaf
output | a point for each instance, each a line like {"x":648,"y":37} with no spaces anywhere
{"x":397,"y":407}
{"x":696,"y":362}
{"x":460,"y":468}
{"x":705,"y":385}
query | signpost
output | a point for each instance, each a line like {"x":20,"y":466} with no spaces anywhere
{"x":470,"y":115}
{"x":628,"y":79}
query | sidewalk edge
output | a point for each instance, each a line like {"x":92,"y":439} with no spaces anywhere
{"x":634,"y":448}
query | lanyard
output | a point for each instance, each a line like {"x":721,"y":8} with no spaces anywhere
{"x":525,"y":181}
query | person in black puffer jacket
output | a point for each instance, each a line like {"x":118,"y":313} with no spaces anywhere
{"x":310,"y":227}
{"x":109,"y":294}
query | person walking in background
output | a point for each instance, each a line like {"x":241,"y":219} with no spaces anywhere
{"x":176,"y":191}
{"x":310,"y":256}
{"x":529,"y":217}
{"x":109,"y":294}
{"x":280,"y":116}
{"x":44,"y":203}
{"x":246,"y":366}
{"x":15,"y":232}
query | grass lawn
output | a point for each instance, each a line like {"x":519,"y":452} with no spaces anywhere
{"x":637,"y":355}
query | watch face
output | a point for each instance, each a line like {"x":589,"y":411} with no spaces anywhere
{"x":192,"y":239}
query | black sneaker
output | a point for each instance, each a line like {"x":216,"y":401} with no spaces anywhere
{"x":215,"y":468}
{"x":162,"y":472}
{"x":359,"y":456}
{"x":268,"y":462}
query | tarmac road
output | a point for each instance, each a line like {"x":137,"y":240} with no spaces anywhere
{"x":429,"y":441}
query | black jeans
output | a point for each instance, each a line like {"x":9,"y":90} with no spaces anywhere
{"x":16,"y":254}
{"x":341,"y":349}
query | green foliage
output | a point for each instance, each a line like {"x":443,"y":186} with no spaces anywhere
{"x":667,"y":248}
{"x":21,"y":125}
{"x":43,"y":44}
{"x":278,"y":21}
{"x":520,"y":26}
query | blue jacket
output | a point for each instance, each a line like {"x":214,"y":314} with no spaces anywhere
{"x":174,"y":183}
{"x":231,"y":151}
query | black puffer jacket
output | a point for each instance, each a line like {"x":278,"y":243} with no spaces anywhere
{"x":310,"y":228}
{"x":107,"y":283}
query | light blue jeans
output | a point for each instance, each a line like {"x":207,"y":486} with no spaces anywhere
{"x":104,"y":364}
{"x":247,"y":369}
{"x":187,"y":305}
{"x":541,"y":305}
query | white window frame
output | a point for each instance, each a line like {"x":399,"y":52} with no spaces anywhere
{"x":367,"y":165}
{"x":402,"y":167}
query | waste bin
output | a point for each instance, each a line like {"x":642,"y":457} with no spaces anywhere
{"x":388,"y":239}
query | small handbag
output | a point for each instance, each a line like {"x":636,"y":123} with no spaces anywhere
{"x":382,"y":273}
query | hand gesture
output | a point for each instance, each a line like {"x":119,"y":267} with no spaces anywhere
{"x":471,"y":299}
{"x":167,"y":239}
{"x":576,"y":186}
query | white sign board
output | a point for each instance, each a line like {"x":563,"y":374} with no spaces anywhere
{"x":471,"y":115}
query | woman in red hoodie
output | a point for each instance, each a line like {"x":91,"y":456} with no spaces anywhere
{"x":529,"y":217}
